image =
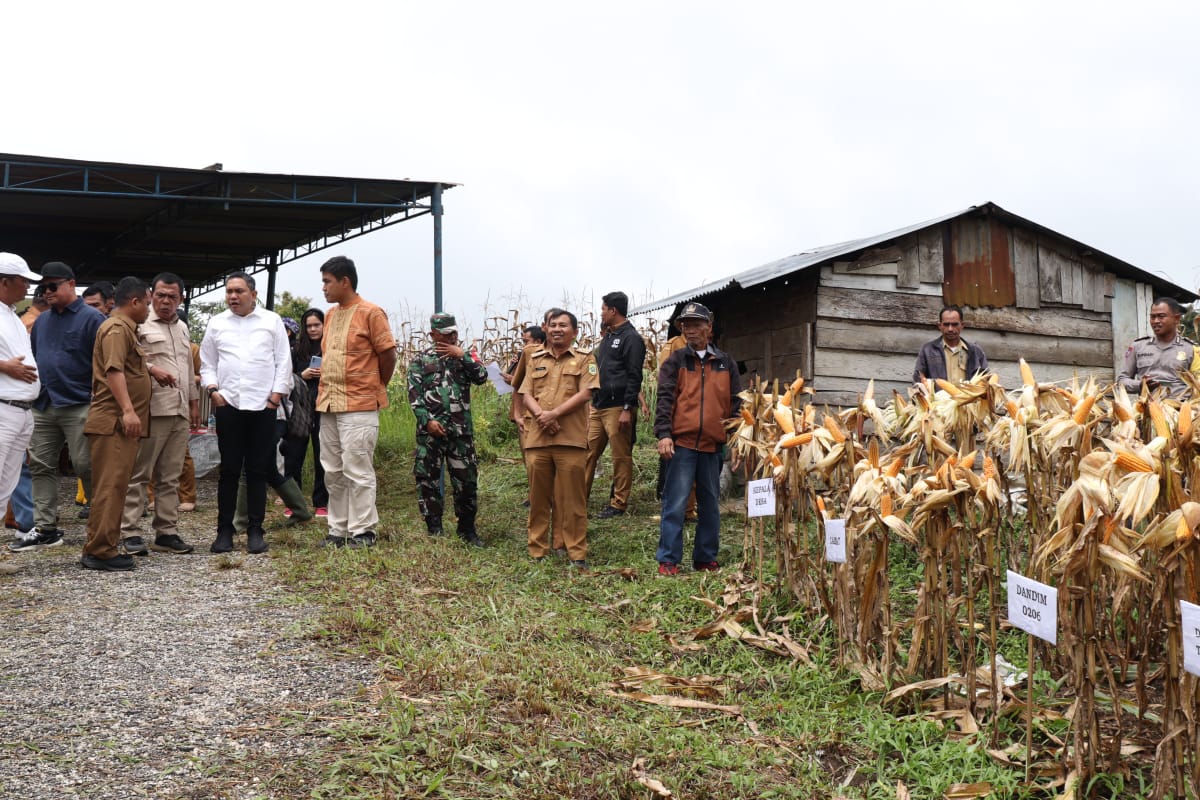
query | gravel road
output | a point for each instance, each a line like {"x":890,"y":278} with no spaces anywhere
{"x":171,"y":681}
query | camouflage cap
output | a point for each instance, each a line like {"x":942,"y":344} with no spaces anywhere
{"x":443,"y":323}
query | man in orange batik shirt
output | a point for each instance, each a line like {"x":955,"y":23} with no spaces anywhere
{"x":357,"y":361}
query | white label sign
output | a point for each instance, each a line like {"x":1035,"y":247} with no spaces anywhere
{"x":1033,"y":607}
{"x":493,"y":372}
{"x":835,"y":540}
{"x":760,"y":498}
{"x":1189,"y":617}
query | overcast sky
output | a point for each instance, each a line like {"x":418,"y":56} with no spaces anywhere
{"x":648,"y":147}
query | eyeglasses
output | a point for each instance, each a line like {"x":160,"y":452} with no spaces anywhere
{"x":50,"y":287}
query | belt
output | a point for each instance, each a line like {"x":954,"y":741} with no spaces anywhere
{"x":21,"y":404}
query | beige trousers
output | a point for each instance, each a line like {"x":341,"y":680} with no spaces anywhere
{"x":604,"y":429}
{"x":159,"y":462}
{"x":348,"y":456}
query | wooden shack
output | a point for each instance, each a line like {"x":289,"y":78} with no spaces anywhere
{"x":862,"y":309}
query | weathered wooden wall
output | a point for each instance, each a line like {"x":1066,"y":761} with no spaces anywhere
{"x":1056,"y":309}
{"x":867,"y":314}
{"x":769,"y":328}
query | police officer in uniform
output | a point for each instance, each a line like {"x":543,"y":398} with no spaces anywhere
{"x":439,"y":390}
{"x":1157,"y":360}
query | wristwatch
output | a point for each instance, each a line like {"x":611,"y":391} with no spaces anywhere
{"x":210,"y":390}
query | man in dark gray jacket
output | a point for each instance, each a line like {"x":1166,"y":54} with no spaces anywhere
{"x":620,"y":356}
{"x":949,"y":357}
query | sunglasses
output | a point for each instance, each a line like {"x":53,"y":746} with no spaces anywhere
{"x":51,"y":287}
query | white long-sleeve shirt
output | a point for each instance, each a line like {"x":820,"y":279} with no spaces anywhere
{"x":14,"y":341}
{"x":246,"y":358}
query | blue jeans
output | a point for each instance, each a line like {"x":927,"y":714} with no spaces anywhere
{"x":22,"y":500}
{"x":688,"y":467}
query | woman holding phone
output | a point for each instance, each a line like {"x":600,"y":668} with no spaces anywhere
{"x":306,"y":362}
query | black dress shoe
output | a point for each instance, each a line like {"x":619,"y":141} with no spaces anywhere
{"x":118,"y":563}
{"x":471,"y":538}
{"x":609,"y":512}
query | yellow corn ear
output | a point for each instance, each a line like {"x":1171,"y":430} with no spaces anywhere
{"x":948,"y":387}
{"x":1184,"y":426}
{"x":893,"y":468}
{"x":796,"y":386}
{"x":1161,"y":428}
{"x":1083,"y":408}
{"x":1182,"y":530}
{"x":790,"y":440}
{"x":873,"y":453}
{"x":783,"y":418}
{"x":820,"y":504}
{"x":989,"y":468}
{"x":747,"y":416}
{"x":1122,"y":413}
{"x":1027,"y":374}
{"x":885,"y":505}
{"x":1012,"y":408}
{"x":835,"y":430}
{"x":1131,"y":463}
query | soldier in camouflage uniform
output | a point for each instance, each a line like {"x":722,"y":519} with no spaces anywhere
{"x":439,"y":390}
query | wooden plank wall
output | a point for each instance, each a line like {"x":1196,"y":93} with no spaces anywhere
{"x":870,"y":326}
{"x":770,"y":328}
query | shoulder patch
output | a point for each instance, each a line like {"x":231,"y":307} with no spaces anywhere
{"x":592,"y":367}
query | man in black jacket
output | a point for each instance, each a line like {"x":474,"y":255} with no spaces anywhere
{"x":620,"y":357}
{"x":949,"y":357}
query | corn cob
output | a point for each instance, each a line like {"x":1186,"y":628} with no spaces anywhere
{"x":1131,"y":463}
{"x":1027,"y":374}
{"x":1161,"y":428}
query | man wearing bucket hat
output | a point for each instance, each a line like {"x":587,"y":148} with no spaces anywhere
{"x":697,"y":391}
{"x":357,"y":361}
{"x":19,"y":384}
{"x":439,"y":390}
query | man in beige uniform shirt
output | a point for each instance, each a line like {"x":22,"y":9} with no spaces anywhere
{"x":556,"y":390}
{"x":174,"y":405}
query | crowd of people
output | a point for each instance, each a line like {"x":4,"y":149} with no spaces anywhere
{"x":113,"y":376}
{"x":569,"y":407}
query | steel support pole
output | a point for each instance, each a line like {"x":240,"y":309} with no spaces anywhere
{"x":436,"y":202}
{"x":272,"y":270}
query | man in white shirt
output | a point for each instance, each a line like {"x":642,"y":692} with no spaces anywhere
{"x":19,"y":384}
{"x":246,"y":369}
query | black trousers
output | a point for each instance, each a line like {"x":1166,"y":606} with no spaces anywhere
{"x":246,"y":440}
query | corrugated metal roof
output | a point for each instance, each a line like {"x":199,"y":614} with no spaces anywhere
{"x":811,"y":258}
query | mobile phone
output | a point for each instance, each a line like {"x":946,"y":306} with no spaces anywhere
{"x":314,"y":362}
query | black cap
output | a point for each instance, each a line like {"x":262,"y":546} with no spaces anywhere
{"x":58,"y":270}
{"x":695,"y":311}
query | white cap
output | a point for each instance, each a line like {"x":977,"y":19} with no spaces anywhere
{"x":13,"y":264}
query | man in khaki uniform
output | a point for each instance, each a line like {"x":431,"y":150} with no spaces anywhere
{"x":556,"y":390}
{"x":119,"y":415}
{"x":174,"y":404}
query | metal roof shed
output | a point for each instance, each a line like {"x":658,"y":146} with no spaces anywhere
{"x":109,"y":219}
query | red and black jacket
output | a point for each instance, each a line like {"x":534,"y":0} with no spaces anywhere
{"x":695,"y":397}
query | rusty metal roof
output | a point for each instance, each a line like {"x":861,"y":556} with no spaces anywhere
{"x":821,"y":255}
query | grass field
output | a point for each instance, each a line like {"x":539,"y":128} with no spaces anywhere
{"x":500,"y":676}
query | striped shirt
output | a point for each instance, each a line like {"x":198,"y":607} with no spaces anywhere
{"x":354,"y":338}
